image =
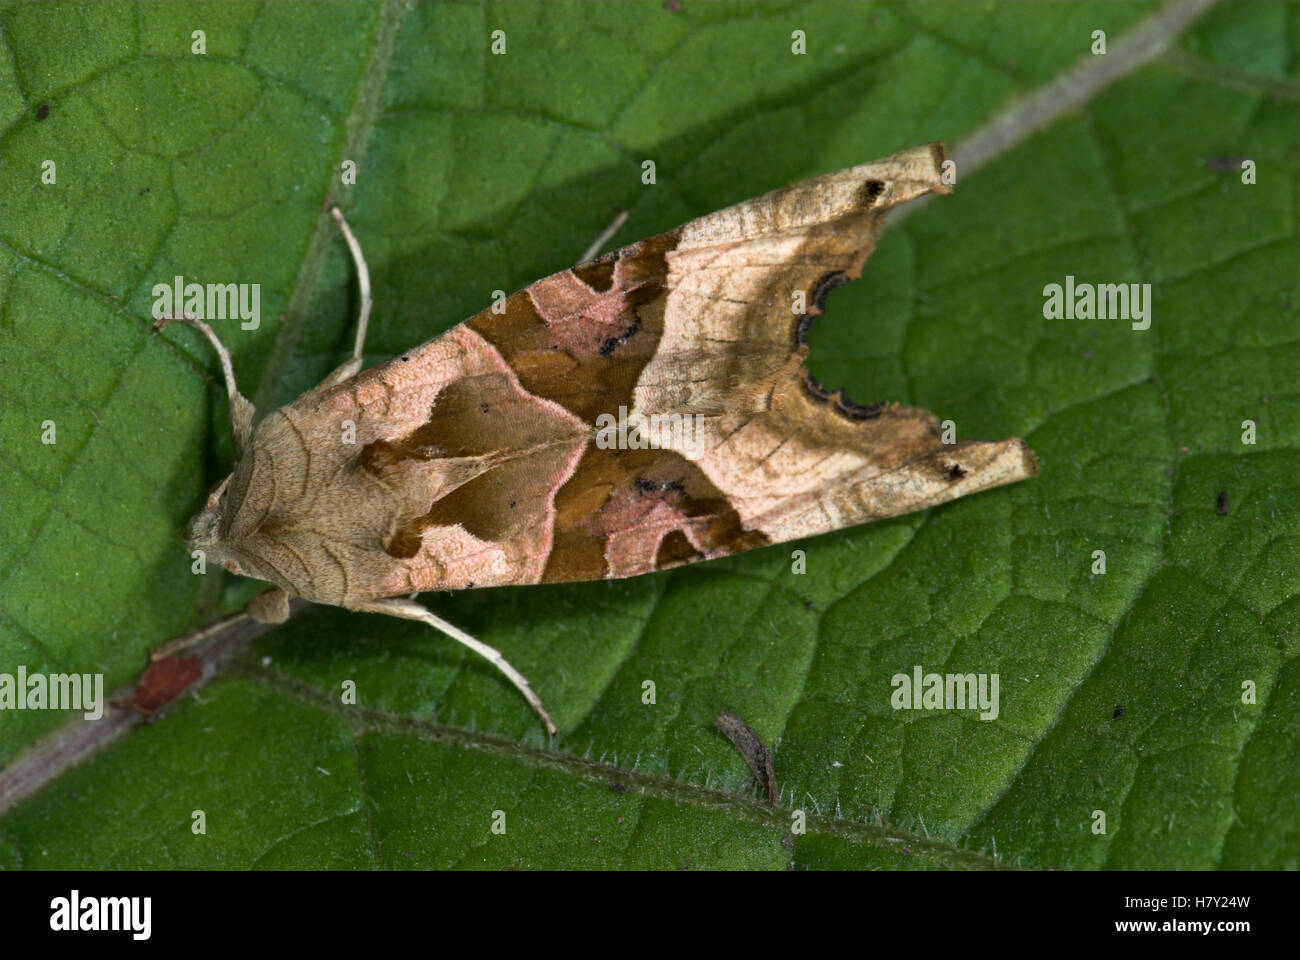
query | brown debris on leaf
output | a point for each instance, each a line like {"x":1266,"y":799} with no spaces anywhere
{"x":753,"y":750}
{"x":161,"y":683}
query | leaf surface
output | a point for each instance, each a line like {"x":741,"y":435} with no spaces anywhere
{"x":1120,"y":692}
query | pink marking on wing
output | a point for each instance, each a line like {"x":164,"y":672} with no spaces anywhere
{"x":579,"y":319}
{"x":635,"y":524}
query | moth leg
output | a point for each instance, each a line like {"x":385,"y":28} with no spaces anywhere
{"x":352,"y":365}
{"x":241,"y":409}
{"x":615,"y":225}
{"x":269,"y":607}
{"x":413,"y":611}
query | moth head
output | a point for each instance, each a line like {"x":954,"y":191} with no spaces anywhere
{"x":221,"y":530}
{"x":204,"y":529}
{"x":207,"y":532}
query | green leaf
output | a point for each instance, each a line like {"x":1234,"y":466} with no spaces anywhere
{"x":1120,"y":692}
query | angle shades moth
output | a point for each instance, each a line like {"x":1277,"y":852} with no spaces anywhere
{"x":477,"y":458}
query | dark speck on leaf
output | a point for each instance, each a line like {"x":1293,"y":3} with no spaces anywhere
{"x":1221,"y":503}
{"x":617,"y":787}
{"x":1225,"y":163}
{"x":1118,"y":712}
{"x":42,"y":111}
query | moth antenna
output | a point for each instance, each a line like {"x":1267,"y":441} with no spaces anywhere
{"x":352,"y":365}
{"x":241,"y":409}
{"x":605,"y":236}
{"x":410,"y":610}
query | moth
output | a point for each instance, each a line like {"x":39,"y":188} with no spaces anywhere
{"x":487,"y":456}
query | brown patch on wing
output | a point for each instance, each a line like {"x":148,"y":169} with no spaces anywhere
{"x":510,"y":449}
{"x":627,"y":512}
{"x":474,"y":416}
{"x":582,"y":337}
{"x":503,"y":497}
{"x":675,"y":549}
{"x":597,"y":274}
{"x":499,"y":452}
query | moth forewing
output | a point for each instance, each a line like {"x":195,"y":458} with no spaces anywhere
{"x":544,"y":441}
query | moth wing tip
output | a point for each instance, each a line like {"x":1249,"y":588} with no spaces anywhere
{"x":938,"y":157}
{"x":1029,"y":460}
{"x":1024,"y":463}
